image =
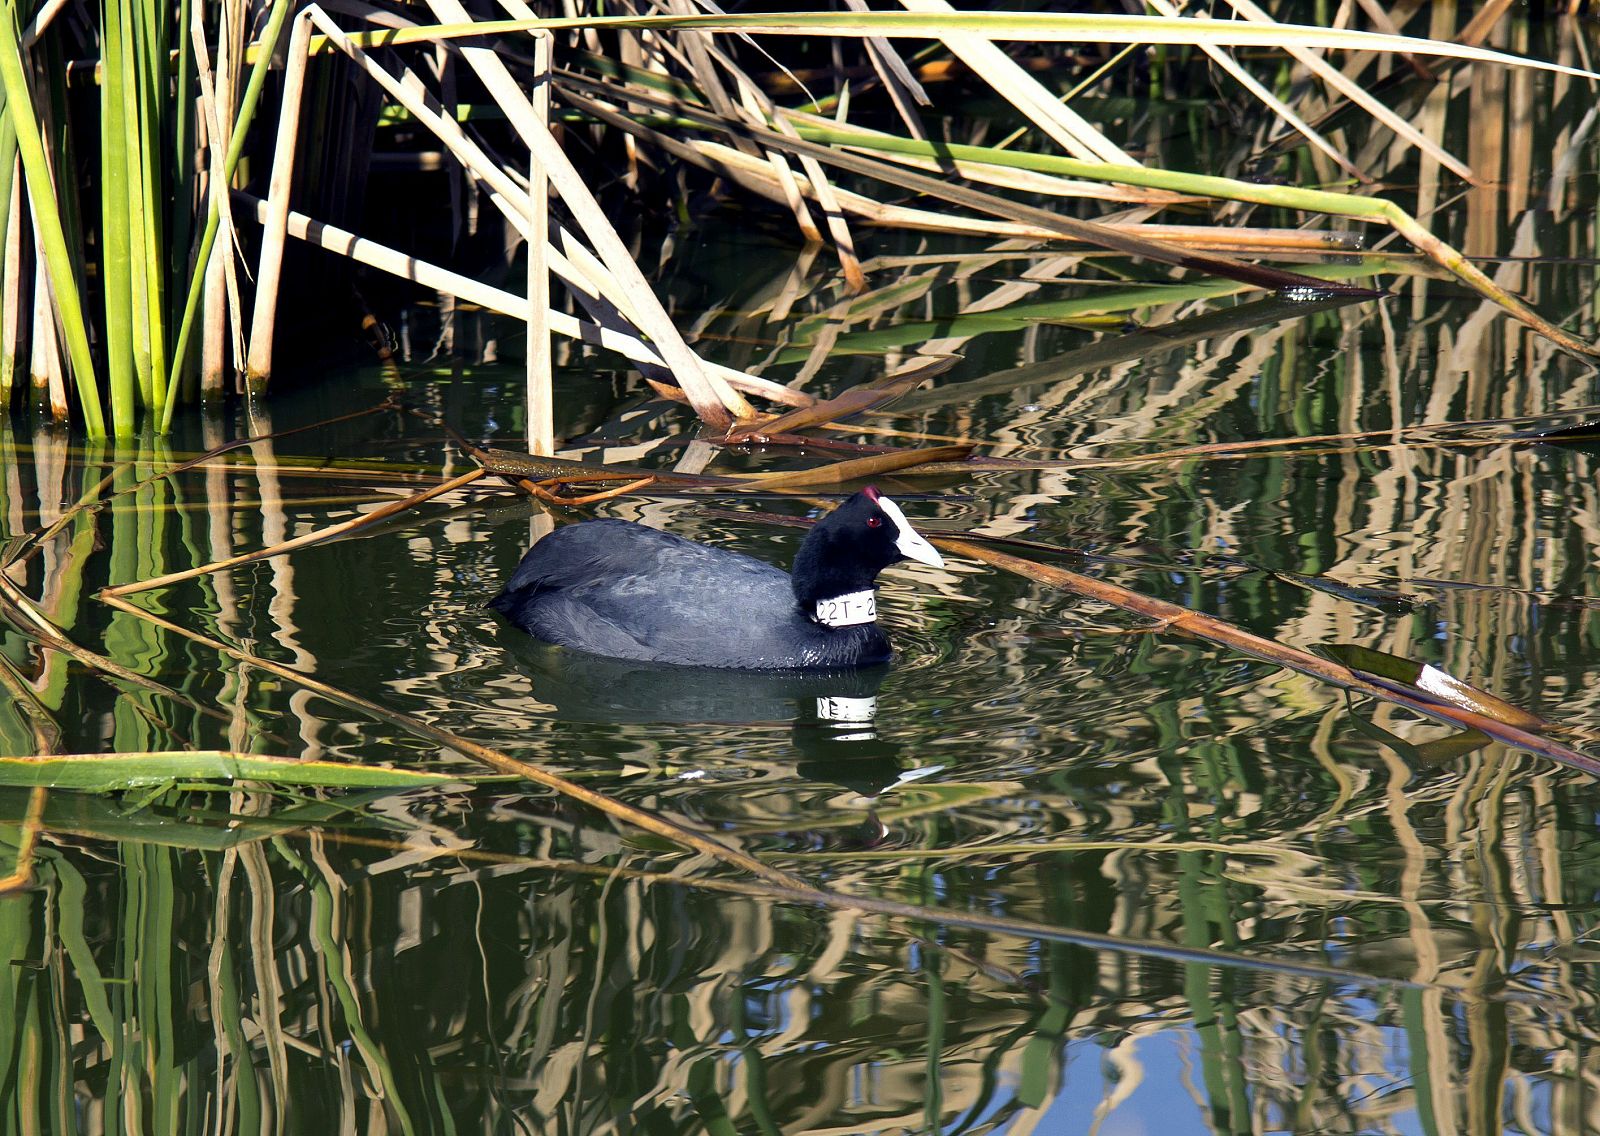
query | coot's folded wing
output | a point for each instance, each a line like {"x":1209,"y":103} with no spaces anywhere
{"x":620,"y":589}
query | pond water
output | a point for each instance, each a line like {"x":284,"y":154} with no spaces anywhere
{"x":1166,"y":887}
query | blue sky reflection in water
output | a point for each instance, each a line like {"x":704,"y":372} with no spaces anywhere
{"x":1399,"y":928}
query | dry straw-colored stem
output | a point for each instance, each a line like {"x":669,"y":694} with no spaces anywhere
{"x":222,"y":310}
{"x":540,"y":389}
{"x":546,"y":491}
{"x":258,"y":366}
{"x":1172,"y":617}
{"x":856,"y":469}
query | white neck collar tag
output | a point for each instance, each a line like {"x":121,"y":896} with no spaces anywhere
{"x":849,"y":609}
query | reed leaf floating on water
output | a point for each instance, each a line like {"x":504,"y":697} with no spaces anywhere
{"x":1428,"y":682}
{"x":111,"y":772}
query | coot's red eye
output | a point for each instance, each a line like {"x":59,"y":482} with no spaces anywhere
{"x":874,"y":522}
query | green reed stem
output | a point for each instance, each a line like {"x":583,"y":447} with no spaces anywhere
{"x":116,"y":267}
{"x":42,"y":197}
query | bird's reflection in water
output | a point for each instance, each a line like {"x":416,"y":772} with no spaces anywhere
{"x":838,"y":744}
{"x":834,"y":714}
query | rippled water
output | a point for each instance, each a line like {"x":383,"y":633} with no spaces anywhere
{"x":1164,"y":887}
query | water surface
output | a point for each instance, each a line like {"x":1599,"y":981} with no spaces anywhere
{"x":1257,"y":905}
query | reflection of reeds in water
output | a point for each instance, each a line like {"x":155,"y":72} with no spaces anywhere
{"x":268,"y":962}
{"x":605,"y":972}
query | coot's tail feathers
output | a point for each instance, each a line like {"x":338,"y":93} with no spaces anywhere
{"x":531,"y":578}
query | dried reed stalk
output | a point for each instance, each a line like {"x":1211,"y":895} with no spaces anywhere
{"x":714,"y":400}
{"x":269,"y":268}
{"x":540,"y":396}
{"x":11,"y":294}
{"x":1172,"y":617}
{"x":430,"y":275}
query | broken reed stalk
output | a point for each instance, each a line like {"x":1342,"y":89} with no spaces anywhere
{"x":540,"y":396}
{"x":1172,"y":617}
{"x":546,"y":491}
{"x":679,"y":834}
{"x":856,"y":400}
{"x":301,"y":541}
{"x":412,"y":268}
{"x":274,"y":227}
{"x":854,"y":469}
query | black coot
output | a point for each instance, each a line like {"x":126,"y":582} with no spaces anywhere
{"x":620,"y":589}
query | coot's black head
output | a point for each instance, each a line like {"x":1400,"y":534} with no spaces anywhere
{"x":845,"y":551}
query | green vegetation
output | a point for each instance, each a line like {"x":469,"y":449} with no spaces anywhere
{"x":1238,"y":770}
{"x":129,"y":278}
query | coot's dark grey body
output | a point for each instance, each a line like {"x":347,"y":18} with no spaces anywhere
{"x":631,"y":592}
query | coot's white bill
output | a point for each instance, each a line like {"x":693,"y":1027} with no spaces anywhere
{"x":907,"y":539}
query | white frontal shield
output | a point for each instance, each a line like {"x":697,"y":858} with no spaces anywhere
{"x":910,"y":542}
